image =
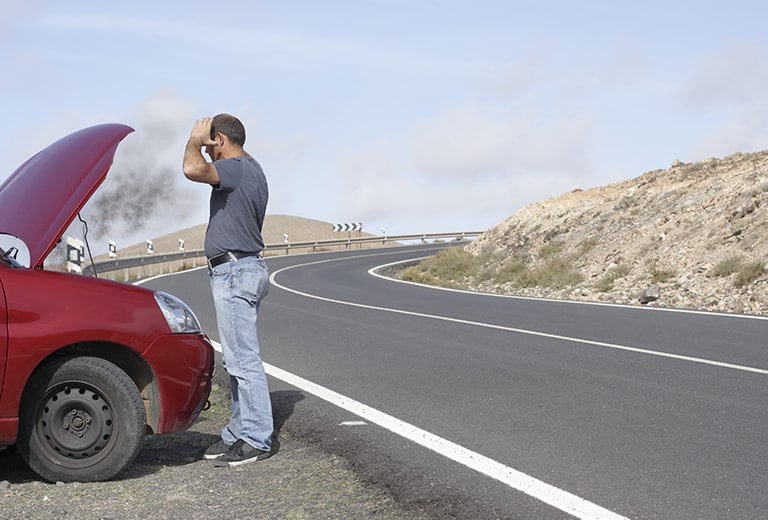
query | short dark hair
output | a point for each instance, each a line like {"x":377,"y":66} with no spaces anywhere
{"x":230,"y":126}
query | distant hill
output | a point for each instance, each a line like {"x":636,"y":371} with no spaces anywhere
{"x":298,"y":229}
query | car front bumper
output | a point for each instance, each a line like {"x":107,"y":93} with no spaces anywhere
{"x":183,"y":368}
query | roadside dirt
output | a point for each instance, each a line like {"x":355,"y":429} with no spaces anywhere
{"x":170,"y":480}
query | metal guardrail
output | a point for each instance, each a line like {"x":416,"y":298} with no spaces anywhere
{"x":138,"y":261}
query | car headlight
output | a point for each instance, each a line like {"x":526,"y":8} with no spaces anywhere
{"x":179,"y":316}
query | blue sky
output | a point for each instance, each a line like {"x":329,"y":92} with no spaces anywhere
{"x":412,"y":116}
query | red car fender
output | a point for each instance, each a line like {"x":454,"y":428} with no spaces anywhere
{"x":184,"y":387}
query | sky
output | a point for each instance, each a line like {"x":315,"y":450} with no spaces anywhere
{"x":408,"y":116}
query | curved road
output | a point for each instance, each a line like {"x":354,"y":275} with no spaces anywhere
{"x":482,"y":406}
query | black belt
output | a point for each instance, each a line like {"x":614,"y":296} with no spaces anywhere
{"x":229,"y":256}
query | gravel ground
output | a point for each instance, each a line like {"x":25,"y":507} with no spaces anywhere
{"x":169,"y":480}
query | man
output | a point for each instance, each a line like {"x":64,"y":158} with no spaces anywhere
{"x":239,"y":279}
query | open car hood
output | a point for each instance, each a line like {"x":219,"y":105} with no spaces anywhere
{"x":42,"y":197}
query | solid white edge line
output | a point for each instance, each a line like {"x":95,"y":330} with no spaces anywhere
{"x":551,"y":495}
{"x":602,"y":344}
{"x":373,"y":272}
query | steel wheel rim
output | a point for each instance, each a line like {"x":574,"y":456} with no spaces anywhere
{"x":76,"y":424}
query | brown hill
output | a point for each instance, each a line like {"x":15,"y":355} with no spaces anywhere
{"x":691,"y":236}
{"x":298,"y":229}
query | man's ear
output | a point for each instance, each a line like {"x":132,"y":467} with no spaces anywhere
{"x":219,"y":139}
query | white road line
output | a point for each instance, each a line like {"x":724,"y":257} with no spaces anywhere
{"x":614,"y":346}
{"x":555,"y":497}
{"x":551,"y":495}
{"x":373,"y":272}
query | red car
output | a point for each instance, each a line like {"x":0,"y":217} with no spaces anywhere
{"x":88,"y":367}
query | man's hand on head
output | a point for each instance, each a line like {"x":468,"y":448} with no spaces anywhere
{"x":196,"y":168}
{"x":201,"y":133}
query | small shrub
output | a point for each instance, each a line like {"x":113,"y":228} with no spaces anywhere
{"x":446,"y":268}
{"x":560,"y":273}
{"x":605,"y":284}
{"x":511,"y":272}
{"x":694,"y":167}
{"x":587,"y":245}
{"x":455,"y":263}
{"x":748,"y":273}
{"x":551,"y":249}
{"x":554,"y":274}
{"x":660,"y":275}
{"x":727,"y":267}
{"x":416,"y":273}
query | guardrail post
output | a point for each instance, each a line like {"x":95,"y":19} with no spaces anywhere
{"x":139,"y":266}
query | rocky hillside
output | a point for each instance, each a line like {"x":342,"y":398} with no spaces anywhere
{"x":691,"y":236}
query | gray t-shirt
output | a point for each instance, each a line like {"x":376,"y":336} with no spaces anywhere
{"x":238,"y":205}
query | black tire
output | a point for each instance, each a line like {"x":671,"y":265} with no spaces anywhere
{"x":82,"y":420}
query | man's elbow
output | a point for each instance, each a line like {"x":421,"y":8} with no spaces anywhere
{"x":196,"y":173}
{"x":193,"y":172}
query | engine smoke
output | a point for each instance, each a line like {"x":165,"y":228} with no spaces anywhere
{"x":145,"y":186}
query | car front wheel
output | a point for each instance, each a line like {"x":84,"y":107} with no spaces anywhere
{"x":83,"y":420}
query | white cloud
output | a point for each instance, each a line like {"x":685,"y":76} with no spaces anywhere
{"x":285,"y":48}
{"x":13,"y":11}
{"x":734,"y":76}
{"x":473,"y":166}
{"x":482,"y":142}
{"x":727,"y":88}
{"x":744,"y":131}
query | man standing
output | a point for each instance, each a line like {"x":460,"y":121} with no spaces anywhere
{"x":239,"y":279}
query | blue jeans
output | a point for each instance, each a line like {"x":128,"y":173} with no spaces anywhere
{"x":238,"y":288}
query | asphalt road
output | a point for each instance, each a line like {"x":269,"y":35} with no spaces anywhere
{"x":478,"y":406}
